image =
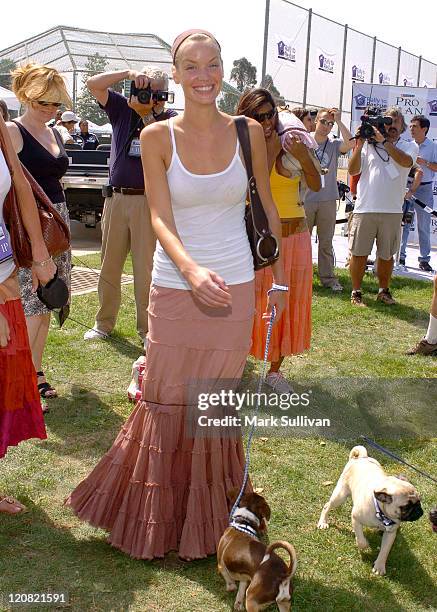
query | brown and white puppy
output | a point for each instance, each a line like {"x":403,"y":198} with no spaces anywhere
{"x":379,"y":501}
{"x":263,"y":576}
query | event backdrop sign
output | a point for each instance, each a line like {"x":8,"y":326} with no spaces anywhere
{"x":386,"y":64}
{"x":358,"y":63}
{"x":311,"y":65}
{"x":287,"y":42}
{"x":413,"y":101}
{"x":325,"y":62}
{"x":408,"y":69}
{"x":428,"y":75}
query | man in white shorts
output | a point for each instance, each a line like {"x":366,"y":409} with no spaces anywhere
{"x":384,"y":163}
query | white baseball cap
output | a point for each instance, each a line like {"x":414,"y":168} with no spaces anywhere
{"x":69,"y":116}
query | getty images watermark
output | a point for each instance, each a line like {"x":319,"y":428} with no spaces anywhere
{"x":231,"y":404}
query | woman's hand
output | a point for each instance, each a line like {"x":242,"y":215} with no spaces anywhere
{"x":4,"y":332}
{"x":297,"y":148}
{"x":277,"y":299}
{"x":209,"y":288}
{"x":41,"y":275}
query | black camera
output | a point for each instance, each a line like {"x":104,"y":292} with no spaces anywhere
{"x":343,"y":189}
{"x":373,"y":119}
{"x":408,"y":217}
{"x":350,"y":205}
{"x":146,"y":95}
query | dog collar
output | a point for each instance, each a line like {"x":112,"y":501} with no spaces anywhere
{"x":244,"y":528}
{"x":382,"y":518}
{"x":247,"y":516}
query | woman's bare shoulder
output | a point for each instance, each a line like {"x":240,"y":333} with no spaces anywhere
{"x":156,"y":135}
{"x":12,"y":127}
{"x":15,"y":135}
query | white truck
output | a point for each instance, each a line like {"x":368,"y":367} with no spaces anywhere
{"x":86,"y":175}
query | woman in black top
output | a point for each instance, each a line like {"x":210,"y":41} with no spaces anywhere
{"x":42,"y":90}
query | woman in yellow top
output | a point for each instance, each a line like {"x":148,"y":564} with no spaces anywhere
{"x":292,"y":334}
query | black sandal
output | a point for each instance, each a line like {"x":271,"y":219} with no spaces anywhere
{"x":46,"y":391}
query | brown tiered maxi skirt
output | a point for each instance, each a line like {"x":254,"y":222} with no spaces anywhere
{"x":157,"y":489}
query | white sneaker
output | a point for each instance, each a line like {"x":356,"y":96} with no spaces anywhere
{"x":277,"y":382}
{"x":95,"y":334}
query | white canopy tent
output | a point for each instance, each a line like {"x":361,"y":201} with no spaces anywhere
{"x":99,"y":129}
{"x":10,"y":99}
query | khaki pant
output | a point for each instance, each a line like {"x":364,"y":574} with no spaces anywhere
{"x":126,"y":226}
{"x":385,"y":228}
{"x":323,"y":215}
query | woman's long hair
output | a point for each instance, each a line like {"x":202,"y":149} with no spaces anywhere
{"x":251,"y":101}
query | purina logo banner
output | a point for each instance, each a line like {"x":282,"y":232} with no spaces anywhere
{"x":407,"y":81}
{"x":285,"y":50}
{"x":384,"y":78}
{"x":412,"y":101}
{"x":326,"y":61}
{"x":358,"y":74}
{"x":432,"y":105}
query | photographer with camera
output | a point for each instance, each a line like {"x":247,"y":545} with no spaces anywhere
{"x":321,"y":206}
{"x":384,"y":159}
{"x":126,"y":224}
{"x":427,"y":161}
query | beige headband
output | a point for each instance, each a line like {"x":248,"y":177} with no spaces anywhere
{"x":182,"y":37}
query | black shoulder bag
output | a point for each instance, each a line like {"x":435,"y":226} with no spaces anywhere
{"x":263,"y":244}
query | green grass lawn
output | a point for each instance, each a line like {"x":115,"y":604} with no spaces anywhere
{"x":356,"y":368}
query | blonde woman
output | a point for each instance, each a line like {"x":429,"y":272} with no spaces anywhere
{"x":42,"y":91}
{"x":158,"y":489}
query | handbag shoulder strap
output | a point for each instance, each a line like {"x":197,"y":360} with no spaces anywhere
{"x":5,"y":147}
{"x":257,"y":211}
{"x":244,"y":138}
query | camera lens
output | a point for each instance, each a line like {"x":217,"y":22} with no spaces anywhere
{"x":143,"y":96}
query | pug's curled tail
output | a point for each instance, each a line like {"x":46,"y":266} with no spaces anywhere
{"x":357,"y":452}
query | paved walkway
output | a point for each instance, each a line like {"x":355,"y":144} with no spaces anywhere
{"x":86,"y":241}
{"x":410,"y":271}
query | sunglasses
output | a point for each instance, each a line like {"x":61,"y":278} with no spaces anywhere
{"x":265,"y":116}
{"x":326,"y":122}
{"x":44,"y":103}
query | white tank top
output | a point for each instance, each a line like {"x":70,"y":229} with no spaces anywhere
{"x":208,"y":211}
{"x":8,"y":266}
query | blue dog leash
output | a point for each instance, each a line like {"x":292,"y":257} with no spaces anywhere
{"x":260,"y":382}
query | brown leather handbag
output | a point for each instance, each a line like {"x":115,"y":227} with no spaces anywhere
{"x":54,"y":229}
{"x":263,"y":244}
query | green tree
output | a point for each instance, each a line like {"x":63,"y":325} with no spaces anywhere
{"x":228,"y":102}
{"x":268,"y":84}
{"x":87,"y":106}
{"x":6,"y":66}
{"x":243,"y":74}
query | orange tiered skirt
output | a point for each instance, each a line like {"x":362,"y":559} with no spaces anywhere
{"x":292,"y":334}
{"x":157,"y":489}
